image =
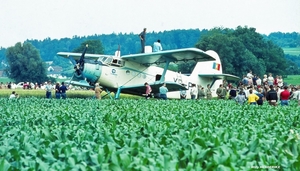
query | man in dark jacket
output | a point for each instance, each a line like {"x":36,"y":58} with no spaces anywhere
{"x":272,"y":96}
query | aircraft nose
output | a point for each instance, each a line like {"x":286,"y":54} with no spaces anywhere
{"x":92,"y":72}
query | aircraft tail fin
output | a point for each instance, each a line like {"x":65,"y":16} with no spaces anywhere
{"x":209,"y":67}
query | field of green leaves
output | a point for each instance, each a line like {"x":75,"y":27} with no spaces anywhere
{"x":126,"y":134}
{"x":292,"y":51}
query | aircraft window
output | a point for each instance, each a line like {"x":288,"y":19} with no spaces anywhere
{"x":104,"y":58}
{"x":108,"y":60}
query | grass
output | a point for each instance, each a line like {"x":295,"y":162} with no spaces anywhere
{"x":292,"y":79}
{"x":85,"y":94}
{"x":292,"y":51}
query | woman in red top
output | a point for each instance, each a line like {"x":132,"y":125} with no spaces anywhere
{"x":284,"y":97}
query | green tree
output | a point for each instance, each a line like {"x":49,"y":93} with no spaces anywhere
{"x":244,"y":49}
{"x":95,"y":47}
{"x":25,"y":63}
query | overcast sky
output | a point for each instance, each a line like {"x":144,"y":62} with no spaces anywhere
{"x":40,"y":19}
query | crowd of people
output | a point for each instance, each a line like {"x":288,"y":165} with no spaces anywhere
{"x":271,"y":89}
{"x":251,"y":89}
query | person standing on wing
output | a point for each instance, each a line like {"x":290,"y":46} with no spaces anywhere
{"x":142,"y":36}
{"x":157,"y":46}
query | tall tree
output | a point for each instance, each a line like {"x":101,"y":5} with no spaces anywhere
{"x":25,"y":63}
{"x":95,"y":47}
{"x":244,"y":49}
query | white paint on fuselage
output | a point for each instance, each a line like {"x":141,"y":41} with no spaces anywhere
{"x":131,"y":74}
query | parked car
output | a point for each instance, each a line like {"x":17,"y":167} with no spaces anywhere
{"x":25,"y":85}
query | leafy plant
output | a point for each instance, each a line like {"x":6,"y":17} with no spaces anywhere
{"x":87,"y":134}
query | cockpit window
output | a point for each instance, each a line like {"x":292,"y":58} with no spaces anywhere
{"x":104,"y":58}
{"x":109,"y":60}
{"x":117,"y":62}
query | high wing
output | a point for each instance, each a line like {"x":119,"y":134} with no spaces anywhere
{"x":227,"y":77}
{"x":77,"y":56}
{"x":177,"y":55}
{"x":140,"y":89}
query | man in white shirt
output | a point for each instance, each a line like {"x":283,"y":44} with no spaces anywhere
{"x":157,"y":46}
{"x":13,"y":95}
{"x":258,"y":82}
{"x":249,"y":74}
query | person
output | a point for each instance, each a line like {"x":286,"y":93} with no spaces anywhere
{"x":252,"y":98}
{"x":221,"y":92}
{"x":260,"y":101}
{"x":201,"y":93}
{"x":249,"y":74}
{"x":148,"y":90}
{"x":245,"y":80}
{"x":193,"y":92}
{"x":48,"y":89}
{"x":254,"y":79}
{"x":163,"y":92}
{"x":232,"y":93}
{"x":63,"y":90}
{"x":275,"y":82}
{"x":9,"y":85}
{"x":265,"y":80}
{"x":208,"y":92}
{"x":182,"y":94}
{"x":240,"y":98}
{"x":98,"y":91}
{"x":57,"y":91}
{"x":284,"y":96}
{"x":272,"y":96}
{"x":13,"y":95}
{"x":270,"y":79}
{"x":157,"y":46}
{"x":280,"y":81}
{"x":258,"y":82}
{"x":298,"y":95}
{"x":142,"y":36}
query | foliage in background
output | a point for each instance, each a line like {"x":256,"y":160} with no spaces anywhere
{"x":82,"y":134}
{"x":285,"y":40}
{"x":244,"y":49}
{"x":130,"y":44}
{"x":24,"y":62}
{"x":94,"y":47}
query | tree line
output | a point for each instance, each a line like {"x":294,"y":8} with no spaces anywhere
{"x":240,"y":50}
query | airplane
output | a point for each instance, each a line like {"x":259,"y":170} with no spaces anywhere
{"x":128,"y":73}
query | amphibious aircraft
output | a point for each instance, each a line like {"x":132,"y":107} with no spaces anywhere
{"x":128,"y":73}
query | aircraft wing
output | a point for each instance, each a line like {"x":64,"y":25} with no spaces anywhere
{"x":77,"y":56}
{"x":141,"y":89}
{"x":81,"y":83}
{"x":227,"y":77}
{"x":177,"y":55}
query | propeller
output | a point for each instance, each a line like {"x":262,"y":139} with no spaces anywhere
{"x":79,"y":66}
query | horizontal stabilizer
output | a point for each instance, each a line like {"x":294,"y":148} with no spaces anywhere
{"x":227,"y":77}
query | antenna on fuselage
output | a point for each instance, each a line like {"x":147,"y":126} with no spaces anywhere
{"x":118,"y":52}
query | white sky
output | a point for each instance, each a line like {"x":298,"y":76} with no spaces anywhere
{"x":40,"y":19}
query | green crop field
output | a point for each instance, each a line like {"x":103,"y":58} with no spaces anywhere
{"x":292,"y":51}
{"x":292,"y":79}
{"x":87,"y":134}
